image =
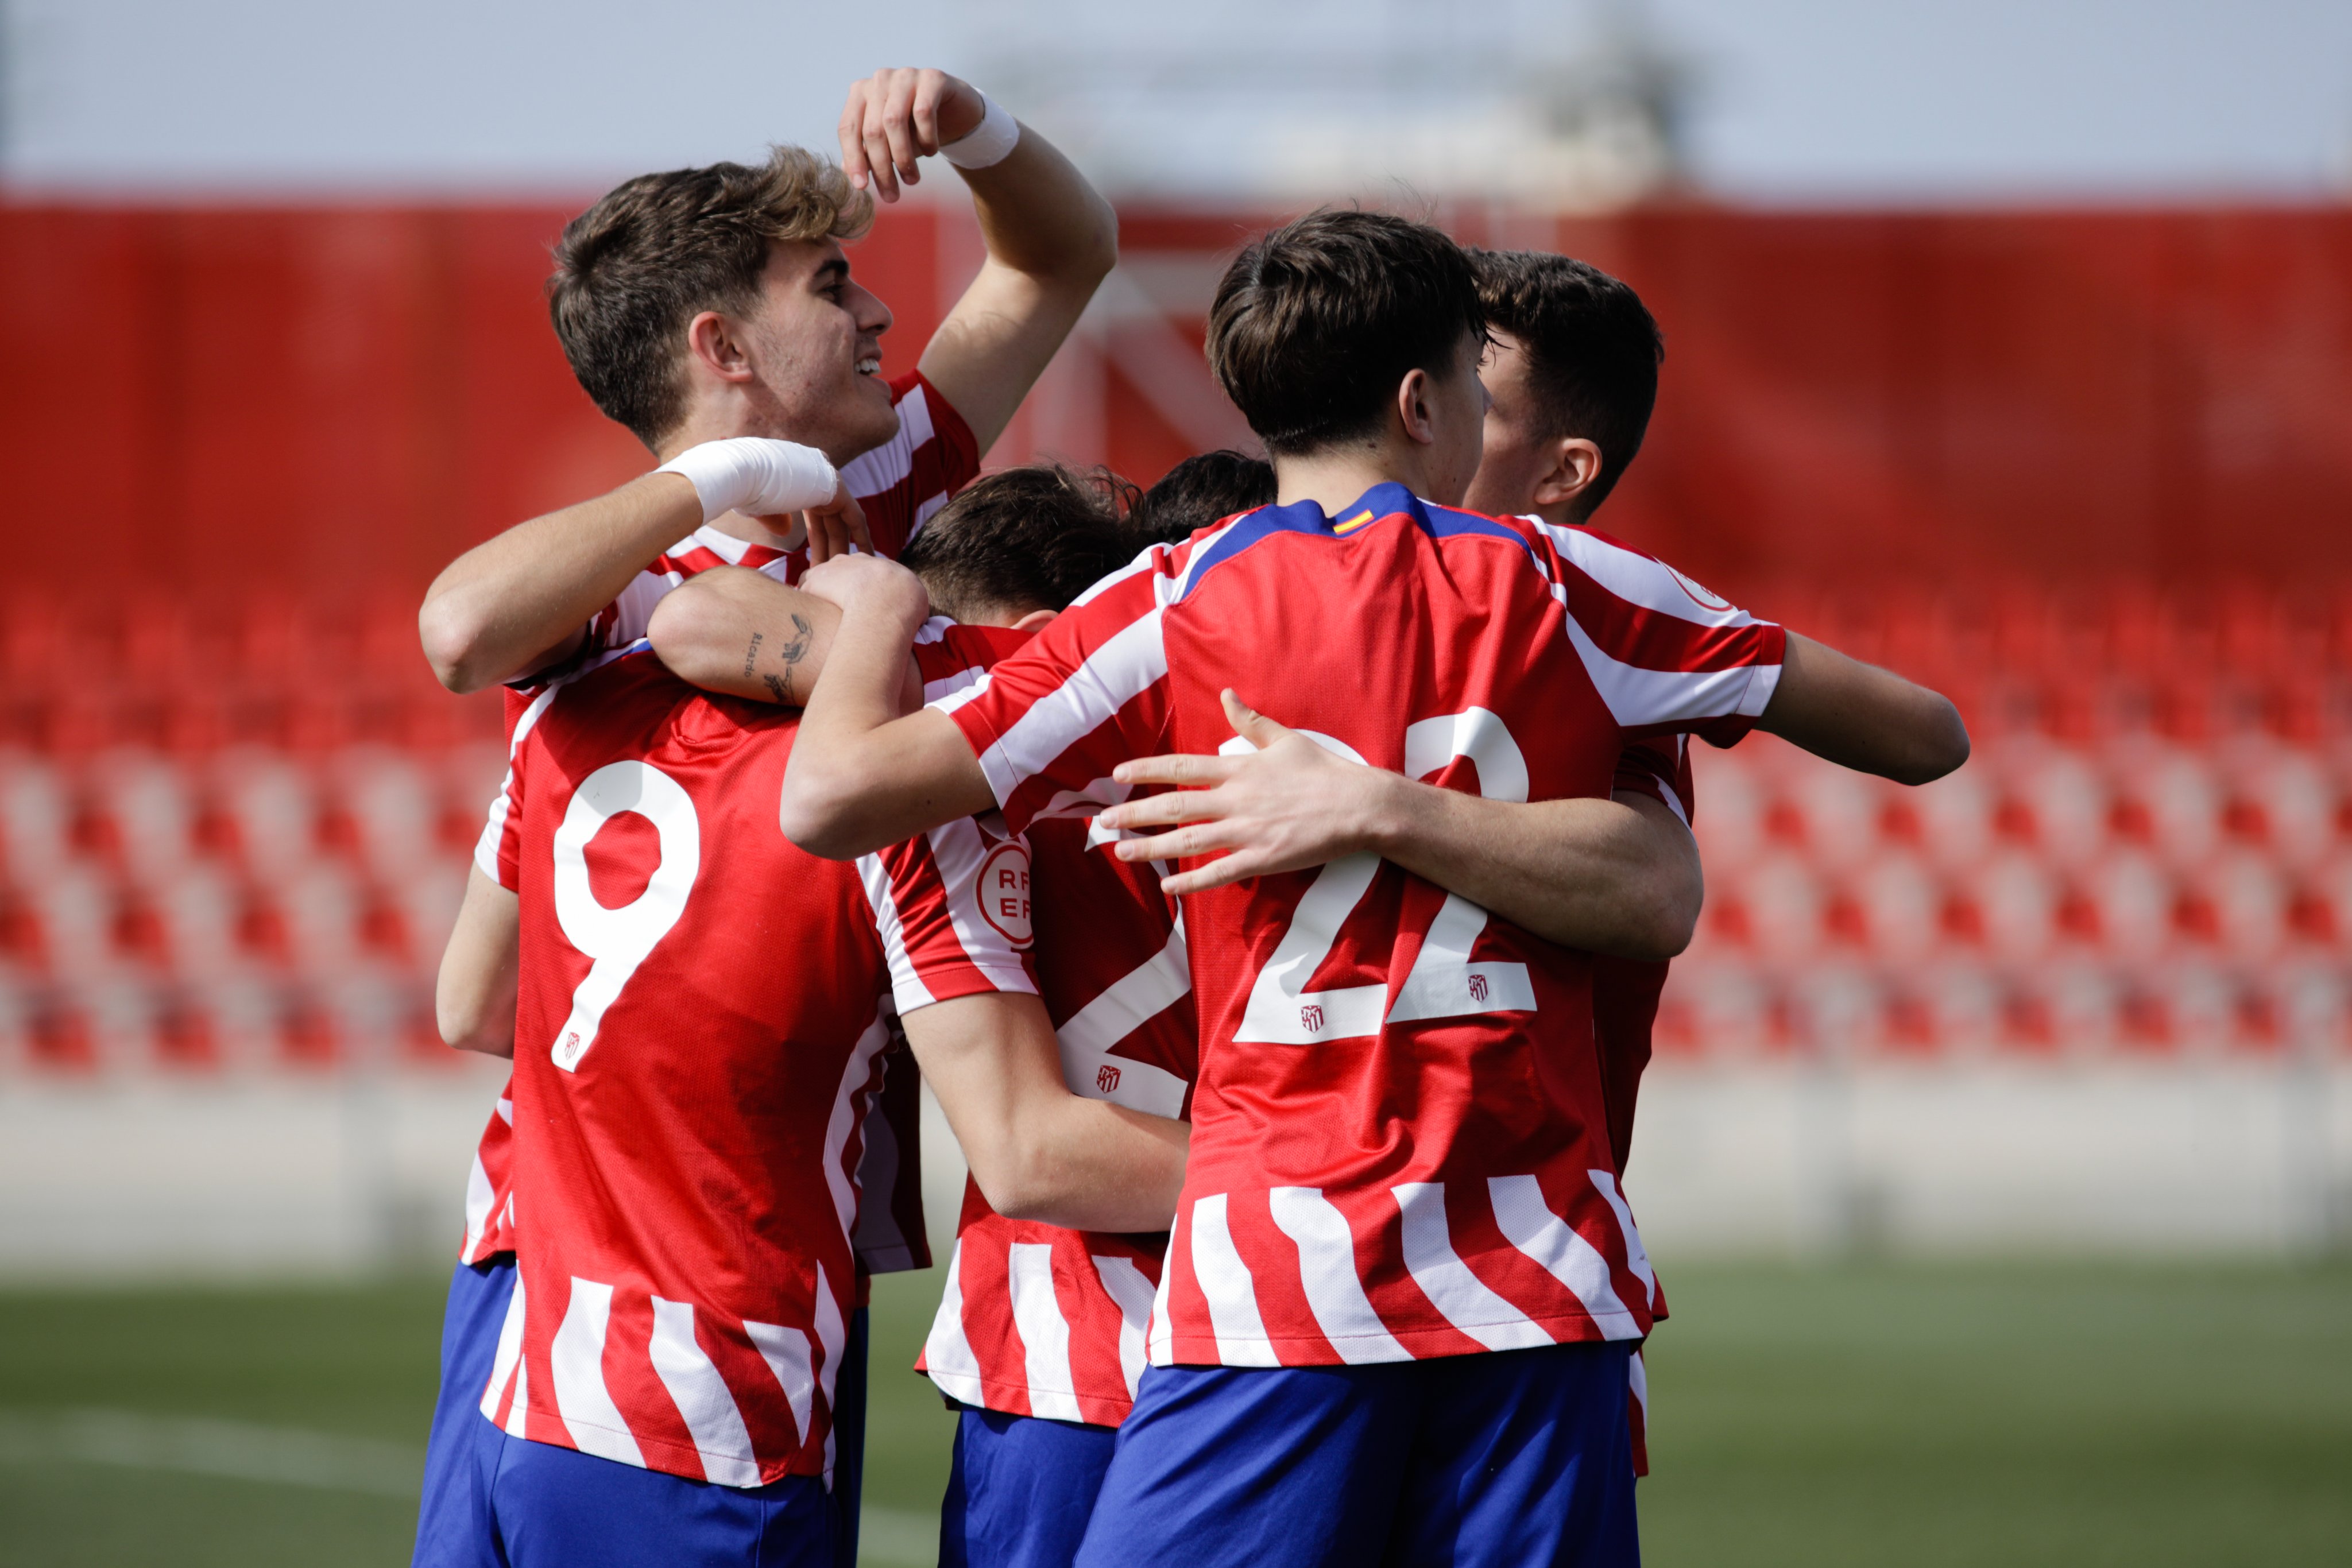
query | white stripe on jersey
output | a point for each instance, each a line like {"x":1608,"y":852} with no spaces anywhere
{"x":1638,"y":697}
{"x":1045,"y":1331}
{"x":906,"y":985}
{"x":494,"y":831}
{"x":1143,"y":993}
{"x":1145,"y":561}
{"x":481,"y":1197}
{"x":948,"y":1357}
{"x":1162,"y":1343}
{"x":1123,"y":1282}
{"x":959,"y":848}
{"x":1326,"y":1270}
{"x":1110,"y":678}
{"x":1636,"y":1259}
{"x":1461,"y":1297}
{"x":832,"y":1334}
{"x":1640,"y":580}
{"x":1232,"y":1294}
{"x":1637,"y":1379}
{"x":844,"y":1118}
{"x":1529,"y":1224}
{"x":786,"y":1352}
{"x":871,"y":473}
{"x":508,"y":1363}
{"x":952,"y":691}
{"x":576,"y":1356}
{"x":702,"y":1398}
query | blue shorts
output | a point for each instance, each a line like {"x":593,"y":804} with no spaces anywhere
{"x":1020,"y":1490}
{"x":1503,"y":1460}
{"x":478,"y":1293}
{"x":496,"y":1502}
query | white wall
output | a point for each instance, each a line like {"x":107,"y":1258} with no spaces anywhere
{"x":271,"y":1175}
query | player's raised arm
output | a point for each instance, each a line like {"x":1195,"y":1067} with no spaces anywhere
{"x":1051,"y":238}
{"x":1038,"y":1151}
{"x":517,"y":601}
{"x":1620,"y":877}
{"x":1861,"y":717}
{"x":860,"y":777}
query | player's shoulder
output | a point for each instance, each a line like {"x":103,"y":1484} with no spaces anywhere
{"x":1633,"y":574}
{"x":1245,"y":538}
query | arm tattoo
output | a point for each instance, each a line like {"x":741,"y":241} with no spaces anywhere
{"x":781,"y":686}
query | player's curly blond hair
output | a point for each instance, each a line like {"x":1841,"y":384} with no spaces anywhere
{"x":657,"y":250}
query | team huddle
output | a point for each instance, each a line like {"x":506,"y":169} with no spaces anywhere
{"x":1272,"y":874}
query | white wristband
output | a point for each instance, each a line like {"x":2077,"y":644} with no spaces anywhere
{"x":754,"y":476}
{"x":985,"y":143}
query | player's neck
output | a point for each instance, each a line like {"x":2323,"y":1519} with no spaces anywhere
{"x":1335,"y":477}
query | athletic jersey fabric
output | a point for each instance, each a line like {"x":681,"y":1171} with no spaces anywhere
{"x":1035,"y":1319}
{"x":898,"y":485}
{"x":703,"y":1013}
{"x":1400,"y":1145}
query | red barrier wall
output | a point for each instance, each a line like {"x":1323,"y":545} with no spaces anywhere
{"x":338,"y":399}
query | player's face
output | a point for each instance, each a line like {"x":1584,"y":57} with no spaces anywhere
{"x":1513,"y":458}
{"x":1457,"y":407}
{"x":816,"y":341}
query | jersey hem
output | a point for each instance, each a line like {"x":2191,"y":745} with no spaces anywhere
{"x":1433,"y":1344}
{"x":994,"y":1390}
{"x":770,"y":1473}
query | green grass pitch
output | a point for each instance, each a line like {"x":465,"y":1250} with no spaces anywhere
{"x":1912,"y":1416}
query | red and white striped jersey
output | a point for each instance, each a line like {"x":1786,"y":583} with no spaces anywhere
{"x":703,"y":1014}
{"x":1035,"y":1319}
{"x":898,"y":485}
{"x":1400,"y":1141}
{"x":890,"y":1233}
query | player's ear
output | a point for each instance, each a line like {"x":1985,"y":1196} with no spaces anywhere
{"x":1414,"y":410}
{"x":713,"y":342}
{"x":1035,"y":621}
{"x":1575,"y":467}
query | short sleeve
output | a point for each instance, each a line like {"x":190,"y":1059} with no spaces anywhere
{"x":1666,"y":654}
{"x":1089,"y":692}
{"x":951,"y":908}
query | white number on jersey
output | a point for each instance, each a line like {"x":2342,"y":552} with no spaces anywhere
{"x":619,"y":939}
{"x":1443,"y":983}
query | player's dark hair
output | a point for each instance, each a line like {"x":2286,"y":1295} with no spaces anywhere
{"x":658,"y":250}
{"x":1022,"y":540}
{"x":1592,"y":351}
{"x":1314,"y":323}
{"x":1197,"y":491}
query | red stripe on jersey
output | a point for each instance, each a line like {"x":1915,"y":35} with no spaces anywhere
{"x":1400,"y":1142}
{"x":691,"y":1184}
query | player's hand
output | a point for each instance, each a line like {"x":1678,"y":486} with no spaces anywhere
{"x":1287,"y":805}
{"x":868,"y":585}
{"x":898,"y":115}
{"x":837,"y":528}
